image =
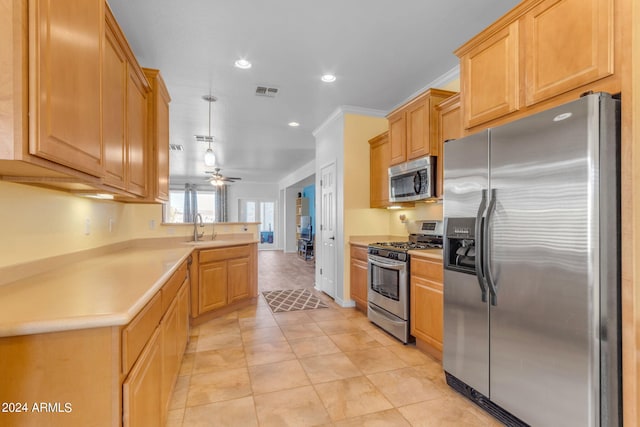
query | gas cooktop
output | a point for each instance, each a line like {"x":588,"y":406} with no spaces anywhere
{"x":406,"y":246}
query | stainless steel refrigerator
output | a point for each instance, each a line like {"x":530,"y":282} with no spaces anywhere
{"x":532,"y":276}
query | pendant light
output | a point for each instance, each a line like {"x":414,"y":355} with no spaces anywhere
{"x":209,"y":156}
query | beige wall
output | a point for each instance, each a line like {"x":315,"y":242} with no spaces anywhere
{"x":421,"y":211}
{"x":453,"y":85}
{"x":359,"y":219}
{"x":38,"y":223}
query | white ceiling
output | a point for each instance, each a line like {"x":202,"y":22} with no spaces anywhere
{"x":382,"y":52}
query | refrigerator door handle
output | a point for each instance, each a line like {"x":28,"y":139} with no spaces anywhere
{"x":479,"y":252}
{"x":485,"y":249}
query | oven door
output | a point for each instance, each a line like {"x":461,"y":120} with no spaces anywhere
{"x":388,"y":286}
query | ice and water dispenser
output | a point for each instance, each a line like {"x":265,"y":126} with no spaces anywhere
{"x":460,"y":247}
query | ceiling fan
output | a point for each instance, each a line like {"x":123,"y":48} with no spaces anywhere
{"x":218,"y":179}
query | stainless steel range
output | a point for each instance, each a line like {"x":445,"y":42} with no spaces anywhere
{"x":388,"y":278}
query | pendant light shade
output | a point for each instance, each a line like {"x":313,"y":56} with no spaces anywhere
{"x":209,"y":157}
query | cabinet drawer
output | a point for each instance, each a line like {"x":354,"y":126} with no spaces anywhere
{"x":426,"y":269}
{"x":359,"y":252}
{"x":210,"y":255}
{"x":170,"y":289}
{"x":136,"y":334}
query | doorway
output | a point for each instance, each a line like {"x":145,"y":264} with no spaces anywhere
{"x":328,"y":230}
{"x":264,"y":212}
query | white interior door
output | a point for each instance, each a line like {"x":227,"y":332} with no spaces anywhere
{"x":328,"y":230}
{"x":264,"y":212}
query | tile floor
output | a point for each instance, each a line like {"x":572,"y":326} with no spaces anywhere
{"x":325,"y":367}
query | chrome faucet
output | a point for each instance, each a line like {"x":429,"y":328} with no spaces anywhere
{"x":197,"y":221}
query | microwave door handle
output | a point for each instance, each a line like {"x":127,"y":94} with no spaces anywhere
{"x":487,"y":262}
{"x":479,"y":242}
{"x":398,"y":267}
{"x":417,"y":182}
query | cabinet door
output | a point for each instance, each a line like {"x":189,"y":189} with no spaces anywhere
{"x":162,"y":148}
{"x":238,"y":279}
{"x":158,"y":137}
{"x":397,"y":138}
{"x":379,"y":157}
{"x":141,"y":404}
{"x":358,"y":274}
{"x":136,"y":134}
{"x":170,"y":356}
{"x":427,"y":311}
{"x":417,"y":116}
{"x":114,"y":84}
{"x":489,"y":77}
{"x":183,"y":317}
{"x":65,"y":96}
{"x":567,"y":44}
{"x":212,"y":286}
{"x":449,"y":127}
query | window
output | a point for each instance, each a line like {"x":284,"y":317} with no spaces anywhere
{"x":174,"y":210}
{"x":264,"y":212}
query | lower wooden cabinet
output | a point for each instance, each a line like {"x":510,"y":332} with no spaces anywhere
{"x":213,"y":286}
{"x":141,"y":398}
{"x":225,"y":276}
{"x":427,"y":304}
{"x":359,"y":278}
{"x":238,"y":279}
{"x":147,"y":389}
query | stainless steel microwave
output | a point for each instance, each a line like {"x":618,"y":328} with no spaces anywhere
{"x":413,"y":180}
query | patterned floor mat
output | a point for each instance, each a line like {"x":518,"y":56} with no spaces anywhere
{"x":292,"y":299}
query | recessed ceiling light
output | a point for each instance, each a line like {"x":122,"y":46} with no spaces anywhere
{"x":243,"y":63}
{"x":294,"y":124}
{"x":328,"y":78}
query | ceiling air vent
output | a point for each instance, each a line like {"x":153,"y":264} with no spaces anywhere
{"x":204,"y":138}
{"x":271,"y":92}
{"x":176,"y":147}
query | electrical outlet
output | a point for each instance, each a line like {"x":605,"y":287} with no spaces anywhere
{"x":111,"y":222}
{"x":87,"y":226}
{"x":152,"y":224}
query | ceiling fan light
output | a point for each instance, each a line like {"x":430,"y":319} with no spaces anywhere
{"x":242,"y":64}
{"x":209,"y":157}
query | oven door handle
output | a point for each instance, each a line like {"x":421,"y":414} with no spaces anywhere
{"x":390,"y":266}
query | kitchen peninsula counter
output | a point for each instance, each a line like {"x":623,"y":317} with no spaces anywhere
{"x":107,"y":289}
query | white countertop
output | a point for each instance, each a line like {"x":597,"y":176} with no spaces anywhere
{"x":105,"y":290}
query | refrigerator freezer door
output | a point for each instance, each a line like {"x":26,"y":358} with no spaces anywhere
{"x":544,"y":259}
{"x":466,"y":320}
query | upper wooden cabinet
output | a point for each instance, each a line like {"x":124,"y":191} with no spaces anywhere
{"x":137,"y":151}
{"x":413,"y":127}
{"x":114,"y":116}
{"x":449,"y":127}
{"x":379,"y":160}
{"x":65,"y":97}
{"x":76,"y":113}
{"x":125,"y":124}
{"x":158,"y":135}
{"x":489,"y":75}
{"x":567,"y":44}
{"x":540,"y":54}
